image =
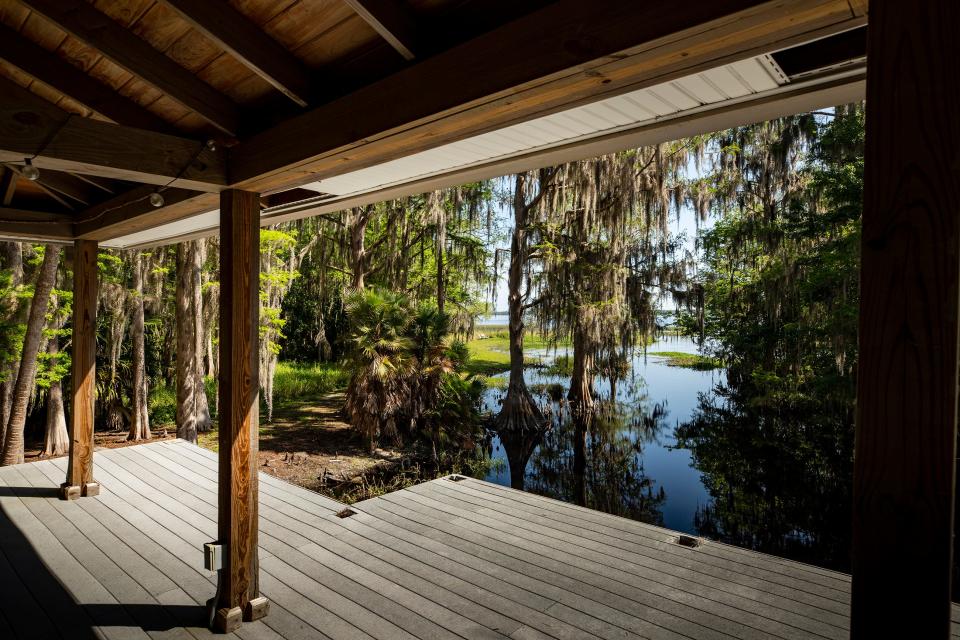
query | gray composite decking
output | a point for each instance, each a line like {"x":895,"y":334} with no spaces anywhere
{"x":442,"y":560}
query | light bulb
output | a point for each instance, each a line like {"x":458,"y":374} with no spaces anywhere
{"x":156,"y":199}
{"x":212,"y":144}
{"x":29,"y":171}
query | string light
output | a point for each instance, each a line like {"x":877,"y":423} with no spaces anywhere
{"x":156,"y":199}
{"x":29,"y":171}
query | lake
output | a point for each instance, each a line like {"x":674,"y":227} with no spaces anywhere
{"x":632,"y":465}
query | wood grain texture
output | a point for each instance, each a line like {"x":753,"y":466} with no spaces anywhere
{"x":124,"y":48}
{"x":54,"y":72}
{"x":392,"y":21}
{"x":248,"y":43}
{"x":30,"y":125}
{"x":564,"y":55}
{"x":907,"y":389}
{"x":83,"y":367}
{"x":239,"y":387}
{"x":124,"y":213}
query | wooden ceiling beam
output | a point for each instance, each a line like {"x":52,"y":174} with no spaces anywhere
{"x":55,"y":72}
{"x":81,"y":20}
{"x":131,"y":211}
{"x":30,"y":125}
{"x":392,"y":21}
{"x":35,"y":225}
{"x":567,"y":54}
{"x":248,"y":43}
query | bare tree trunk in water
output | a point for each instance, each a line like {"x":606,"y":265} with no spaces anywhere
{"x":13,"y":261}
{"x":140,"y":420}
{"x":581,"y":382}
{"x":13,"y":438}
{"x":519,"y":412}
{"x":56,"y":440}
{"x":193,"y":412}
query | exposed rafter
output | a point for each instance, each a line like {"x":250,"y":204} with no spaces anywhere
{"x":121,"y":46}
{"x":54,"y":72}
{"x":30,"y":125}
{"x":249,"y":44}
{"x":392,"y":21}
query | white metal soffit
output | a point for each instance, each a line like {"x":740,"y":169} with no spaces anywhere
{"x":730,"y":84}
{"x":742,"y":79}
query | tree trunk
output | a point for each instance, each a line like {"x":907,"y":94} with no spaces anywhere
{"x":193,"y":412}
{"x":56,"y":441}
{"x":140,"y":420}
{"x":13,"y":261}
{"x":198,"y":256}
{"x":581,"y":382}
{"x":519,"y":412}
{"x":356,"y":223}
{"x":441,"y":243}
{"x":13,"y":438}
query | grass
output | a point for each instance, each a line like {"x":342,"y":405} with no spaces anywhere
{"x":490,"y":354}
{"x":688,"y":360}
{"x":294,"y":381}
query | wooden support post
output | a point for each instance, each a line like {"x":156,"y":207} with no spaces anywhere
{"x":904,"y":472}
{"x":239,"y":410}
{"x":80,"y":480}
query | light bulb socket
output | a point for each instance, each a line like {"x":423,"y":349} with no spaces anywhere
{"x":29,"y":171}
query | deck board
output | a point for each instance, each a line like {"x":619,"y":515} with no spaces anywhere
{"x":443,"y":560}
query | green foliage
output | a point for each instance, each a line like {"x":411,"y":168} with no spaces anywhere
{"x":780,"y":306}
{"x":294,"y":381}
{"x":405,"y":374}
{"x":688,"y":360}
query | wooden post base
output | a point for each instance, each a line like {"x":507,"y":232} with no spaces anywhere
{"x":69,"y":491}
{"x":73,"y":491}
{"x":227,"y":620}
{"x":256,"y":609}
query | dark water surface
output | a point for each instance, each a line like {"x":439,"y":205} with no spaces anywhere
{"x":629,"y":465}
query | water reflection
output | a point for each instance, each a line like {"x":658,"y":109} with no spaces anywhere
{"x":780,"y":479}
{"x":680,"y":448}
{"x":623,"y":460}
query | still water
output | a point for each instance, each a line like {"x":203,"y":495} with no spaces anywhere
{"x":628,"y":462}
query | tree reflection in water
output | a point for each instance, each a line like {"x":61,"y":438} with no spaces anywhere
{"x":595,"y":461}
{"x":779,"y":478}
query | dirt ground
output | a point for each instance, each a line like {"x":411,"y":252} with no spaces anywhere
{"x":308,"y":444}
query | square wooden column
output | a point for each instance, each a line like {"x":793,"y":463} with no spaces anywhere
{"x":239,"y":410}
{"x":904,"y":471}
{"x":80,"y":480}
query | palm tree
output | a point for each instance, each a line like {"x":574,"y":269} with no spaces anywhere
{"x":382,"y":360}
